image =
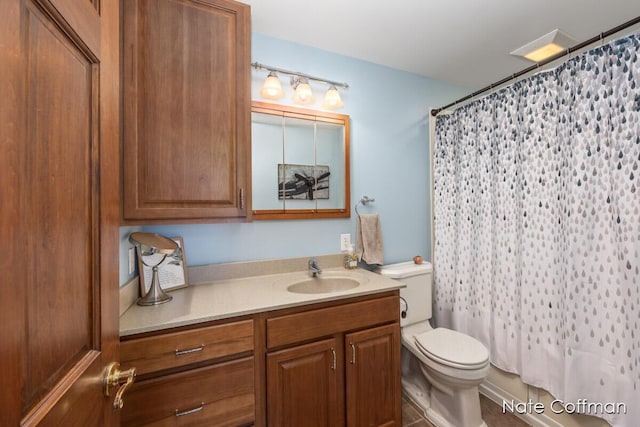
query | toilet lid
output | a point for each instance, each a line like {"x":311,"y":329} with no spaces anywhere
{"x":453,"y":348}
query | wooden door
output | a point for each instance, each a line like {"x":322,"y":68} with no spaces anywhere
{"x":59,"y":132}
{"x":373,"y":377}
{"x":187,"y":109}
{"x":304,"y":386}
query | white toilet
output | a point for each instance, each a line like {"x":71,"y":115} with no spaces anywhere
{"x":441,"y":368}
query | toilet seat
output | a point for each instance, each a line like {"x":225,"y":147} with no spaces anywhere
{"x":452,"y":348}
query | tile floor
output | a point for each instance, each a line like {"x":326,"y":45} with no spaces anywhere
{"x":491,"y":414}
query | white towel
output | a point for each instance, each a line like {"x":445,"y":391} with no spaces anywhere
{"x":369,"y":239}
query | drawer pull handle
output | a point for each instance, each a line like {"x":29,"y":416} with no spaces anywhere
{"x":335,"y":364}
{"x":191,"y":350}
{"x":190,"y":411}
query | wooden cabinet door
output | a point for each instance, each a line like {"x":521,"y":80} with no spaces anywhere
{"x":373,"y":377}
{"x":187,"y":109}
{"x":59,"y":210}
{"x":304,"y":386}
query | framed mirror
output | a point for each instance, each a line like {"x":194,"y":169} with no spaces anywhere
{"x":299,"y":163}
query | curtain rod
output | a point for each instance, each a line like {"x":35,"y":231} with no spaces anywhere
{"x":568,"y":51}
{"x":263,"y":67}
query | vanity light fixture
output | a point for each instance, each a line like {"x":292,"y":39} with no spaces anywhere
{"x":300,"y":83}
{"x":272,"y":88}
{"x":546,"y":46}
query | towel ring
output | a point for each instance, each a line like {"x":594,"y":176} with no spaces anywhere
{"x":365,"y":201}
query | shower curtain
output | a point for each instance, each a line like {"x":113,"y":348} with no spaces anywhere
{"x":537,"y":229}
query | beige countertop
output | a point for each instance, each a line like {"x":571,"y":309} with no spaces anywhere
{"x":230,"y":297}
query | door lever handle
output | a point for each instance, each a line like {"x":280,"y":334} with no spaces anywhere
{"x":113,"y":377}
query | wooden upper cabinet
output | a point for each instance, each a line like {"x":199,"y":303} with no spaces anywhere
{"x":187,"y":110}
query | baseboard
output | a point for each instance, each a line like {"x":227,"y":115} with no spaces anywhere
{"x":498,"y":396}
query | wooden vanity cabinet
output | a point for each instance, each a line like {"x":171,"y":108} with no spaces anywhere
{"x":331,"y":364}
{"x":198,"y":377}
{"x":340,"y":365}
{"x":187,"y":110}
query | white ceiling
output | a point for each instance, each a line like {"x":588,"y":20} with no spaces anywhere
{"x":466,"y":42}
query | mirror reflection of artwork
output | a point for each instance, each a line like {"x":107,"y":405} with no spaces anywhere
{"x":172,"y":272}
{"x":305,"y":182}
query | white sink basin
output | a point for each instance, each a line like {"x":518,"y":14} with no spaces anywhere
{"x":323,"y":285}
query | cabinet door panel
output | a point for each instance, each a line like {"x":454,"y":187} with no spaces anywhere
{"x":186,"y":109}
{"x":373,"y":377}
{"x":303,"y":386}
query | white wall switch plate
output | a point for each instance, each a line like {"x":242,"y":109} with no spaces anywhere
{"x":345,"y":241}
{"x":132,"y":260}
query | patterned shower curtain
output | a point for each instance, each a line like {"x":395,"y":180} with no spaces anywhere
{"x":537,"y":228}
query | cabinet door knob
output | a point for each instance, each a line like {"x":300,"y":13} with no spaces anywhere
{"x":353,"y":353}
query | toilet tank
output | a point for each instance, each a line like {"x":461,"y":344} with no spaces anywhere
{"x":417,"y":294}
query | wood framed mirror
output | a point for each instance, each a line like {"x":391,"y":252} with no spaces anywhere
{"x":299,"y":163}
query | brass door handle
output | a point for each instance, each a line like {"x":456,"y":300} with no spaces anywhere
{"x":113,"y":377}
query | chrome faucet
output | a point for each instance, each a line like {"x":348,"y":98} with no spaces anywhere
{"x":314,"y":268}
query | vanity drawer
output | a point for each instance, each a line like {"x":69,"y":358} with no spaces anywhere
{"x":218,"y":395}
{"x":165,"y":351}
{"x":307,"y":325}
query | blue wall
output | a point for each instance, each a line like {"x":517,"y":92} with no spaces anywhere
{"x":389,"y":161}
